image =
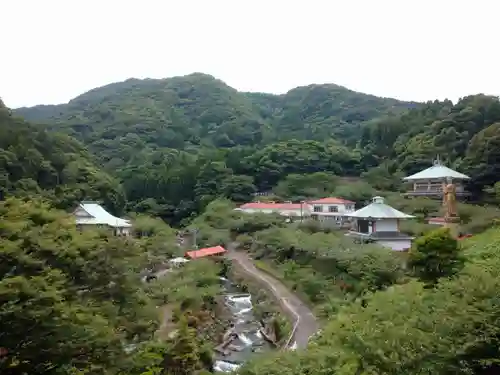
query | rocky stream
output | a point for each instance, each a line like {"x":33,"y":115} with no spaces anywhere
{"x":246,"y":335}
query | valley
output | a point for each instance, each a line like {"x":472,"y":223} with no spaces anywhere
{"x":188,"y":162}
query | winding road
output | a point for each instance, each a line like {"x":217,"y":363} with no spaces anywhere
{"x":305,"y":324}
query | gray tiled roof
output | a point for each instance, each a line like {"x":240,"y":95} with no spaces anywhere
{"x":435,"y":172}
{"x":379,"y":210}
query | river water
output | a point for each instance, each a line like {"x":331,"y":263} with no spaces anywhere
{"x":246,"y":328}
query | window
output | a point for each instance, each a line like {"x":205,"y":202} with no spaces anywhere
{"x":318,"y":208}
{"x":333,"y":209}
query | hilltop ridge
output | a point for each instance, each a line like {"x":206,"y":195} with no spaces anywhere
{"x":198,"y":109}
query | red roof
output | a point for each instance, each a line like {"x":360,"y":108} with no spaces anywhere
{"x":271,"y":206}
{"x":216,"y":250}
{"x":332,"y":201}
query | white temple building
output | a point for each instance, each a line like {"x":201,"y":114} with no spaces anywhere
{"x":430,"y":181}
{"x":379,"y":223}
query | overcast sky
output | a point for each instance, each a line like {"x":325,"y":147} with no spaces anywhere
{"x":54,"y":50}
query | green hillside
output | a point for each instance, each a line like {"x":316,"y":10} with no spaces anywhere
{"x":177,"y":143}
{"x":187,"y":151}
{"x":198,"y":109}
{"x":466,"y":135}
{"x":36,"y":162}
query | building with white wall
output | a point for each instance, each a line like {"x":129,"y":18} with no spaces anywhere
{"x":93,"y":215}
{"x":379,"y":222}
{"x":331,"y":210}
{"x":326,"y":210}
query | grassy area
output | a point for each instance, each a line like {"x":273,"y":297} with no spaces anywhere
{"x":320,"y":293}
{"x":275,"y":271}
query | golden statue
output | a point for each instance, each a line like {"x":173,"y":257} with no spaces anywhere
{"x":450,"y":200}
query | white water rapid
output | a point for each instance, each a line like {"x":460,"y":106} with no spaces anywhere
{"x":246,"y":329}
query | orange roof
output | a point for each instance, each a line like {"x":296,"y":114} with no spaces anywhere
{"x":216,"y":250}
{"x":331,"y":201}
{"x":271,"y":206}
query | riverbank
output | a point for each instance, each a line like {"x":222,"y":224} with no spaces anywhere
{"x":274,"y":319}
{"x":304,"y":321}
{"x":246,"y":334}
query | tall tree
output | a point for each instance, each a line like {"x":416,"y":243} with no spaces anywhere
{"x":435,"y":255}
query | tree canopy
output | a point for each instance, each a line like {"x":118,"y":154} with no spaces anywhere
{"x":184,"y":152}
{"x":178,"y":143}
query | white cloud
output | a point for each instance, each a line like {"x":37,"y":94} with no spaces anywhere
{"x":54,"y":50}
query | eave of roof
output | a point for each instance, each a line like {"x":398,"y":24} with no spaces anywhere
{"x":437,"y":171}
{"x":331,"y":200}
{"x":272,"y":206}
{"x":101,"y":217}
{"x":379,"y":211}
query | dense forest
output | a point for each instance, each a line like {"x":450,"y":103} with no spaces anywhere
{"x":178,"y":143}
{"x":52,"y":165}
{"x":182,"y":153}
{"x":198,"y":109}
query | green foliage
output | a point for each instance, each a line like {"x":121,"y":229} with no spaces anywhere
{"x":220,"y":223}
{"x":176,"y":185}
{"x":483,"y":152}
{"x":297,"y":187}
{"x":179,"y":143}
{"x":158,"y":138}
{"x":410,"y":329}
{"x":34,"y":162}
{"x":70,"y":301}
{"x":476,"y":219}
{"x":156,"y":238}
{"x":385,"y":177}
{"x":198,"y":109}
{"x":184,"y":353}
{"x":357,"y":191}
{"x":496,"y":190}
{"x":435,"y":255}
{"x":276,"y":161}
{"x":183,"y":356}
{"x":473,"y":218}
{"x":464,"y":135}
{"x":325,"y":268}
{"x":67,"y":299}
{"x":193,"y":287}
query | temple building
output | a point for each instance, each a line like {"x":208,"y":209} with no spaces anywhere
{"x":93,"y":215}
{"x":379,"y":223}
{"x":430,"y":182}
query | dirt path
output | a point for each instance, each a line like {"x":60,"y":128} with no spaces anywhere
{"x":305,"y":321}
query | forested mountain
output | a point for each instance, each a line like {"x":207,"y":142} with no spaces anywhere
{"x":178,"y":143}
{"x":465,"y":135}
{"x":198,"y":110}
{"x":34,"y":161}
{"x":71,"y":302}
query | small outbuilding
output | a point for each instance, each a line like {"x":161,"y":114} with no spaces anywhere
{"x":206,"y":252}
